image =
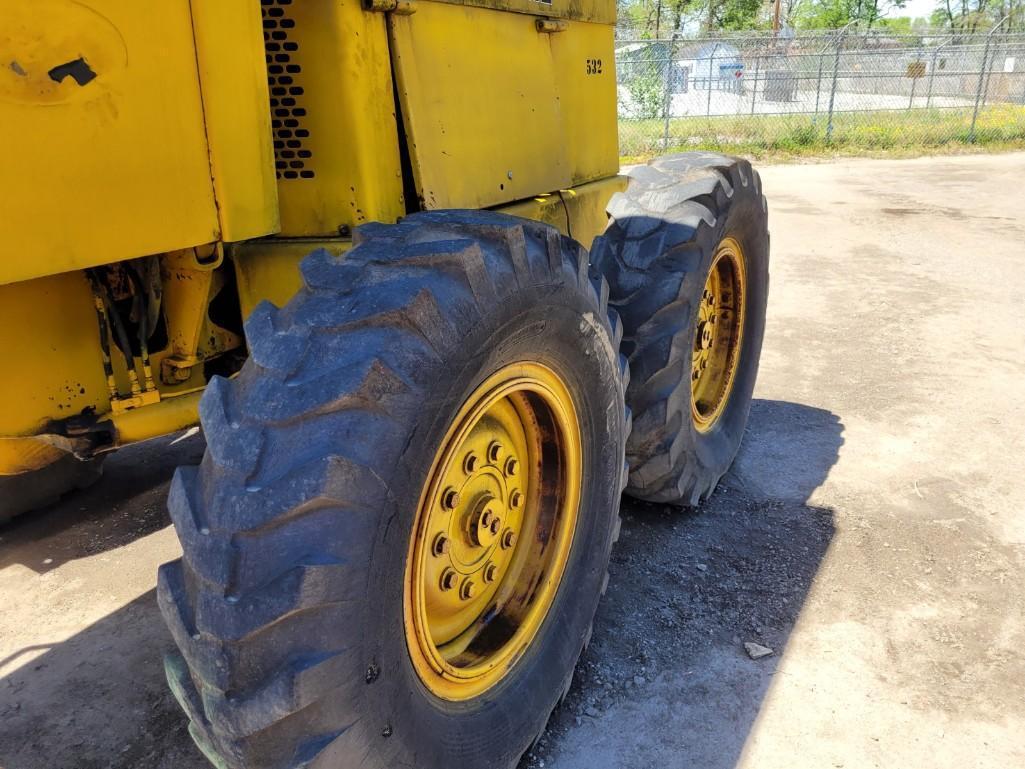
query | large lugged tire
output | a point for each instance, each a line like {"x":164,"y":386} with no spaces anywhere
{"x":292,"y":604}
{"x":690,"y":230}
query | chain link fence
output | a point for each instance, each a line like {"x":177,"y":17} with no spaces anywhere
{"x":757,"y":93}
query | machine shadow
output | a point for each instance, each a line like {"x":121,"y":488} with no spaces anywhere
{"x":97,"y":700}
{"x":126,"y":503}
{"x":666,"y":680}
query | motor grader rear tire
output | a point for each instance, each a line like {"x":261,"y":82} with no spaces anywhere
{"x":397,"y":539}
{"x":686,"y":254}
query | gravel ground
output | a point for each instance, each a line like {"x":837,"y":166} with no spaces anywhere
{"x":870,"y":533}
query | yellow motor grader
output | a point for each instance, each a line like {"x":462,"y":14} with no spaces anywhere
{"x":383,"y":253}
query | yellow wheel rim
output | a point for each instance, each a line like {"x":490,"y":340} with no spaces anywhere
{"x":493,"y":531}
{"x":719,"y":335}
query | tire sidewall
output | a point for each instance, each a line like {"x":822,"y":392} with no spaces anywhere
{"x":556,"y":327}
{"x":745,"y":222}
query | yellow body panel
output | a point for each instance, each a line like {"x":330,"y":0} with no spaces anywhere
{"x":469,"y":147}
{"x":54,"y":356}
{"x":586,"y":207}
{"x":112,"y":168}
{"x":205,"y":122}
{"x":599,"y":11}
{"x":334,"y":64}
{"x":578,"y":212}
{"x":230,"y":53}
{"x":269,"y":269}
{"x":525,"y":121}
{"x":23,"y":455}
{"x":583,"y":57}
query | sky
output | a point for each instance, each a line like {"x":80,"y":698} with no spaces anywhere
{"x":914,"y":9}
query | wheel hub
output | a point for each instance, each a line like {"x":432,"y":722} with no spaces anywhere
{"x":472,"y":530}
{"x":493,"y":531}
{"x":719,"y":334}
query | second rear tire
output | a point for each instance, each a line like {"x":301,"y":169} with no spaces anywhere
{"x":686,"y":254}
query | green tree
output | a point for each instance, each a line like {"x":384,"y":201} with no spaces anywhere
{"x":898,"y":26}
{"x":834,"y":14}
{"x":734,"y":14}
{"x":647,"y":87}
{"x":968,"y":16}
{"x":647,"y":19}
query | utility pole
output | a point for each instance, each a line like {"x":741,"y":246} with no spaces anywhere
{"x":775,"y":17}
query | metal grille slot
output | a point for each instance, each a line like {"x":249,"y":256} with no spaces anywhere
{"x":291,"y":155}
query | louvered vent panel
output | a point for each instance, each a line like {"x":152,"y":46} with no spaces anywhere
{"x":292,"y":157}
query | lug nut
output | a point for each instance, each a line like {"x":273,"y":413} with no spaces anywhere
{"x":508,"y":539}
{"x":468,"y":589}
{"x":496,"y":525}
{"x":441,"y":545}
{"x":516,"y":498}
{"x":485,"y":517}
{"x":450,"y":498}
{"x":510,"y":466}
{"x":490,"y":572}
{"x":470,"y":463}
{"x":494,"y":450}
{"x":449,"y":579}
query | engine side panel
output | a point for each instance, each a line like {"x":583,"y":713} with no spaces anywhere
{"x":101,"y":119}
{"x":498,"y":106}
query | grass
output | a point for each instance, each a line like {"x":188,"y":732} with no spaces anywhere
{"x":890,"y":133}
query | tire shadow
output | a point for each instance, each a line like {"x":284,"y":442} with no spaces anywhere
{"x":97,"y":700}
{"x":126,"y":503}
{"x":666,"y":680}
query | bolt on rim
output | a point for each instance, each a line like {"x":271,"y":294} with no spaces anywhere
{"x":493,"y":531}
{"x":719,"y":335}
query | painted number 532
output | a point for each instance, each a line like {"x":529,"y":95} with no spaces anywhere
{"x":594,"y":66}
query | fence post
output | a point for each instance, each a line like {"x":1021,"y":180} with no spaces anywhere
{"x":932,"y":72}
{"x":832,"y":90}
{"x":668,"y":104}
{"x":754,"y":85}
{"x":982,"y":76}
{"x":978,"y":91}
{"x":708,"y":83}
{"x":989,"y":74}
{"x":818,"y":88}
